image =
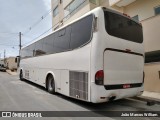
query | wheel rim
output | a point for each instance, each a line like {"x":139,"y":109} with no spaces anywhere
{"x":21,"y":74}
{"x":50,"y":84}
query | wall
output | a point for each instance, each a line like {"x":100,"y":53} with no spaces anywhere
{"x":151,"y":28}
{"x":10,"y":63}
{"x":92,"y":5}
{"x":119,"y":9}
{"x":144,"y":8}
{"x":112,"y":2}
{"x":84,"y":8}
{"x":106,"y":3}
{"x":152,"y":80}
{"x":79,"y":12}
{"x":151,"y":31}
{"x":55,"y":19}
{"x":66,"y":2}
{"x":1,"y":61}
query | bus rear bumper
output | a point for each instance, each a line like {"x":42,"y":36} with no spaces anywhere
{"x":99,"y":94}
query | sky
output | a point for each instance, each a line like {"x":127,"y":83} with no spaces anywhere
{"x":19,"y":16}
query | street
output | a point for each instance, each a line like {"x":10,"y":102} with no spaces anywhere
{"x":16,"y":95}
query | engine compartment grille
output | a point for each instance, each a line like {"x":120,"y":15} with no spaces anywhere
{"x":78,"y":87}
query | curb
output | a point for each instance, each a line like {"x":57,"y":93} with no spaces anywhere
{"x":9,"y":72}
{"x":149,"y":100}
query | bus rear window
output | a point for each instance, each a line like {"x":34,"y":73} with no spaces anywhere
{"x":123,"y":27}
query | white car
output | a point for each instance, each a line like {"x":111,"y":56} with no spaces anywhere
{"x":2,"y":68}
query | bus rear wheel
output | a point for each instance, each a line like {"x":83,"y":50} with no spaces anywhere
{"x":50,"y":84}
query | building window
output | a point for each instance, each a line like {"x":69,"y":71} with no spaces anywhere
{"x":157,"y":10}
{"x":75,"y":4}
{"x":136,"y":18}
{"x":55,"y":11}
{"x":93,"y":1}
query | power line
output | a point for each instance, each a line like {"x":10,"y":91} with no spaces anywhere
{"x":55,"y":24}
{"x":38,"y":36}
{"x":35,"y":24}
{"x":43,"y":33}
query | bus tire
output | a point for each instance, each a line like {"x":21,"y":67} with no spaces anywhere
{"x":50,"y":84}
{"x":21,"y":75}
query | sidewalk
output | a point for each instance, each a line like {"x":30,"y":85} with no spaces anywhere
{"x":149,"y":97}
{"x":11,"y":73}
{"x":151,"y":94}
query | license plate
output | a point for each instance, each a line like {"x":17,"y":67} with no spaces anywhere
{"x":126,"y":86}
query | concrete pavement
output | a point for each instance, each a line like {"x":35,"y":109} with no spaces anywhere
{"x":16,"y":95}
{"x":146,"y":96}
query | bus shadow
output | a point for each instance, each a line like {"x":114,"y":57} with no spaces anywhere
{"x":126,"y":104}
{"x":89,"y":105}
{"x":106,"y":109}
{"x":35,"y":85}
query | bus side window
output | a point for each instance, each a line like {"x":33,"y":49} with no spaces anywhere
{"x":48,"y":44}
{"x":62,"y":39}
{"x":38,"y":48}
{"x":81,"y":32}
{"x":30,"y":50}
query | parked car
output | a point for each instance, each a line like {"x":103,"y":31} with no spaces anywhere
{"x":2,"y":68}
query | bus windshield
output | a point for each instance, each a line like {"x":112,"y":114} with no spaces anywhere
{"x":122,"y":27}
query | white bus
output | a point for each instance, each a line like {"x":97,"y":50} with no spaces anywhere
{"x":96,"y":58}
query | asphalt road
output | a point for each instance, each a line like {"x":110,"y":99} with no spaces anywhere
{"x":16,"y":95}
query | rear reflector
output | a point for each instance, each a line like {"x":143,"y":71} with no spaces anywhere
{"x":102,"y":97}
{"x":99,"y":77}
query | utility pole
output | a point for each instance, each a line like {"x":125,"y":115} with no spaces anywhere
{"x":4,"y":54}
{"x":20,"y":46}
{"x":20,"y":43}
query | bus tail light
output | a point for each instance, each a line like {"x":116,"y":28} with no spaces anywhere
{"x":99,"y":77}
